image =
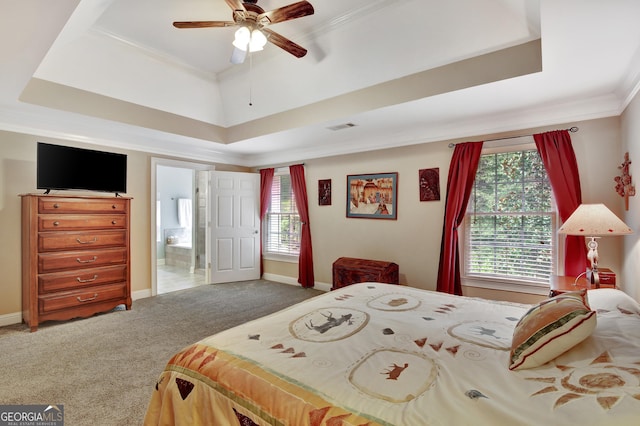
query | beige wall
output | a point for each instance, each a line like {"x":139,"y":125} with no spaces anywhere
{"x":630,"y":129}
{"x":413,"y":240}
{"x":18,"y":171}
{"x":18,"y":176}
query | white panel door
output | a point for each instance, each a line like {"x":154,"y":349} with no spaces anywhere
{"x":235,"y":227}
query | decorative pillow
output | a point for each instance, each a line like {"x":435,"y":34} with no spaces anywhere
{"x":581,"y":295}
{"x":551,"y":328}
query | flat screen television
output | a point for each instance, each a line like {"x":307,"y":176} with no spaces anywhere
{"x":64,"y":167}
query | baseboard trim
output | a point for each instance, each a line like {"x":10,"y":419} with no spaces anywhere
{"x":9,"y":319}
{"x":294,"y":281}
{"x":141,"y":294}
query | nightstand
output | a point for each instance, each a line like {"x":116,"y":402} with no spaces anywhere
{"x":559,"y":284}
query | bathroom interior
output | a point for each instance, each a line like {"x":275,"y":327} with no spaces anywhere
{"x":180,"y":234}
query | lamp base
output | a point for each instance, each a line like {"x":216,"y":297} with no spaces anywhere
{"x":593,"y":276}
{"x":606,"y":277}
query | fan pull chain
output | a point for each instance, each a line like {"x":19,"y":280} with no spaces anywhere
{"x":250,"y":77}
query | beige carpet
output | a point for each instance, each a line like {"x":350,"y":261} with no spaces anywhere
{"x":103,"y":369}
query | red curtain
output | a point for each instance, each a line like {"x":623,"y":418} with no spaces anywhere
{"x":462,"y":173}
{"x":266,"y":180}
{"x":305,"y":263}
{"x":559,"y":160}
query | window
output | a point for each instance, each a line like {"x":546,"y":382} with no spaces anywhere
{"x":510,"y":223}
{"x":282,"y":222}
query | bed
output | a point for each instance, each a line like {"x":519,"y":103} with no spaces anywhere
{"x":381,"y":354}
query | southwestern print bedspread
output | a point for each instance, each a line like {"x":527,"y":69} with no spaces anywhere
{"x":379,"y":354}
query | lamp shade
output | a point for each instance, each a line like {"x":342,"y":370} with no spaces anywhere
{"x":594,"y":220}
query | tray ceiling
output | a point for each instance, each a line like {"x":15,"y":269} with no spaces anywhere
{"x":384,"y":73}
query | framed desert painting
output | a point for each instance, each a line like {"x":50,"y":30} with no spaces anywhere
{"x":372,"y":196}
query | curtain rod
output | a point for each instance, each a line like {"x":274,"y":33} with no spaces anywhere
{"x":571,"y":129}
{"x":282,"y":166}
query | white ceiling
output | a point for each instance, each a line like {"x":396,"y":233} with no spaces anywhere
{"x":117,"y":72}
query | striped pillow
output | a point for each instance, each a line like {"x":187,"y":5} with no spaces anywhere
{"x":549,"y":329}
{"x":579,"y":294}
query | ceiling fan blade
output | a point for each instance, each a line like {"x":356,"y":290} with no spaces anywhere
{"x":284,"y":43}
{"x":236,"y":5}
{"x":286,"y":13}
{"x":203,"y":24}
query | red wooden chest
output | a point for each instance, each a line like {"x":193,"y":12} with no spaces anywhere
{"x":349,"y":270}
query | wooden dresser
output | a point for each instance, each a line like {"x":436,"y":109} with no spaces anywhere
{"x":349,"y":270}
{"x":75,"y":256}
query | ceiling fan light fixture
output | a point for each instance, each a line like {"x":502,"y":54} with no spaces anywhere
{"x":258,"y":41}
{"x":242,"y":38}
{"x":253,"y":35}
{"x":254,"y":39}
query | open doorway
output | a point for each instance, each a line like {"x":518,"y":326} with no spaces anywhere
{"x":179,"y":198}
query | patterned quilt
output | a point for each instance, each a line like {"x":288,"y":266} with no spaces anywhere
{"x":381,"y":354}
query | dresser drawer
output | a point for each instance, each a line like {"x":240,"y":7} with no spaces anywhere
{"x":74,"y":299}
{"x":53,"y":262}
{"x":80,"y":278}
{"x":56,"y":241}
{"x":52,"y":222}
{"x":81,"y":205}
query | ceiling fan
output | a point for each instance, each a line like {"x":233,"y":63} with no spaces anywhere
{"x":253,"y":20}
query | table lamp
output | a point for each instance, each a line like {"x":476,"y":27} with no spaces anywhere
{"x":594,"y":221}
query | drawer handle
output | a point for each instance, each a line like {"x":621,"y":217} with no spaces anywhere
{"x":56,"y":223}
{"x":95,"y":277}
{"x":114,"y":222}
{"x":56,"y":206}
{"x":87,"y":261}
{"x":95,"y":296}
{"x":113,"y":206}
{"x":87,"y":242}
